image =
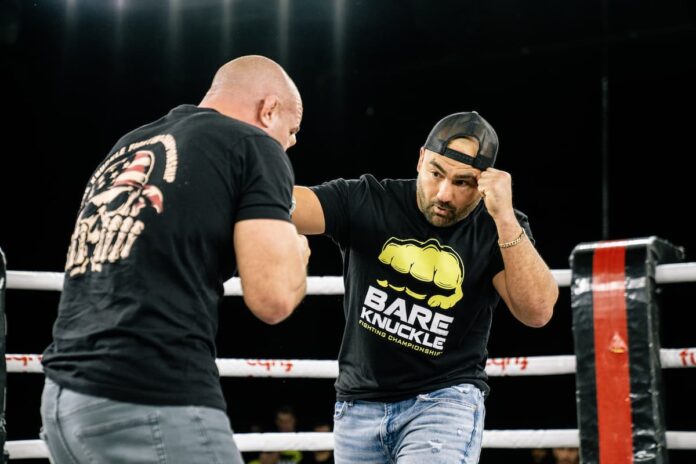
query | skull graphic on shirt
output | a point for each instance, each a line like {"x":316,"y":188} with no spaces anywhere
{"x":109,"y":221}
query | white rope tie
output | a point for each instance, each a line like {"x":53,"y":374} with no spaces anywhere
{"x":329,"y":285}
{"x":328,"y":369}
{"x":316,"y":441}
{"x":306,"y":368}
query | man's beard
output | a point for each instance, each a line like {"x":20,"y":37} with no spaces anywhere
{"x":451,"y":216}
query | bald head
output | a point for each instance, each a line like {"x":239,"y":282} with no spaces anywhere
{"x":258,"y":91}
{"x":251,"y":76}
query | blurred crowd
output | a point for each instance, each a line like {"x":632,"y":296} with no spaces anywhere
{"x":285,"y":421}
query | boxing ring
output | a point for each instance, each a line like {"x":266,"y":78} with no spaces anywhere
{"x":676,"y":358}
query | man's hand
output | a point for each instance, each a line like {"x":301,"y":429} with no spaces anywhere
{"x":303,"y":245}
{"x":496,"y":187}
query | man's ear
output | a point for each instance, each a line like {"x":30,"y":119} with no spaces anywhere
{"x":420,"y":159}
{"x":268,"y":109}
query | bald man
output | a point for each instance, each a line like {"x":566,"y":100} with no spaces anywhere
{"x":176,"y":208}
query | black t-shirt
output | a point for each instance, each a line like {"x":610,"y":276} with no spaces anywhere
{"x":419,"y":299}
{"x":152,"y":247}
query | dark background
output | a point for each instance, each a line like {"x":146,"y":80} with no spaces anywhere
{"x":593,"y":102}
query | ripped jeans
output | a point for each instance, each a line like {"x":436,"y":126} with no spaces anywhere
{"x":441,"y":427}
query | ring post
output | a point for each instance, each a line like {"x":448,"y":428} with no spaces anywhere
{"x":619,"y":394}
{"x":3,"y":363}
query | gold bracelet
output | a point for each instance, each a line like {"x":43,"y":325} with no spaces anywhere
{"x":514,"y":242}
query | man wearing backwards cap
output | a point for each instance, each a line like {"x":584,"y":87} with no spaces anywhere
{"x":425,"y":262}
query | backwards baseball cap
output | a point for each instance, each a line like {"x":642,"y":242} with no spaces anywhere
{"x":466,"y":124}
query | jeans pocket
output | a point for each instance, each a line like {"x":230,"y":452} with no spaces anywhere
{"x":464,"y":395}
{"x":72,"y":402}
{"x":340,"y":409}
{"x":134,"y":439}
{"x":44,"y":439}
{"x":56,"y":448}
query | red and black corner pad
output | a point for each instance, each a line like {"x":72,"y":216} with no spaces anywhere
{"x":617,"y":347}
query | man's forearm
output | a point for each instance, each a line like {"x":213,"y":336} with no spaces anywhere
{"x":532,"y":290}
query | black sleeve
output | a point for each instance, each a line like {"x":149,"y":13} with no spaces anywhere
{"x":266,"y":178}
{"x":524,"y":222}
{"x":334,"y":197}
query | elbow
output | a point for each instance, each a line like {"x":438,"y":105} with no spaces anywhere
{"x":539,"y":316}
{"x":538,"y":321}
{"x":274,"y":317}
{"x":542,"y":310}
{"x":271,"y":309}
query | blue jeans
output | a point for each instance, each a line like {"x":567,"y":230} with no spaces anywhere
{"x":441,"y":427}
{"x":81,"y":428}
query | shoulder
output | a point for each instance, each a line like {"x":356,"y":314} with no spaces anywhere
{"x":211,"y":123}
{"x":365,"y":185}
{"x":398,"y":186}
{"x":394,"y":186}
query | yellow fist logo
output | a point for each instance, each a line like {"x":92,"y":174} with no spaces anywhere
{"x":427,"y":262}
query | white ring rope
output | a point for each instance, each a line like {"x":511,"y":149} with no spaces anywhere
{"x":328,"y":285}
{"x":328,"y":369}
{"x":308,"y":441}
{"x":315,"y":441}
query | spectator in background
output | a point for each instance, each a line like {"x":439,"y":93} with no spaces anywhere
{"x":256,"y":428}
{"x":267,"y":457}
{"x":286,"y":422}
{"x":540,"y":456}
{"x":320,"y":457}
{"x":285,"y":419}
{"x":566,"y":455}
